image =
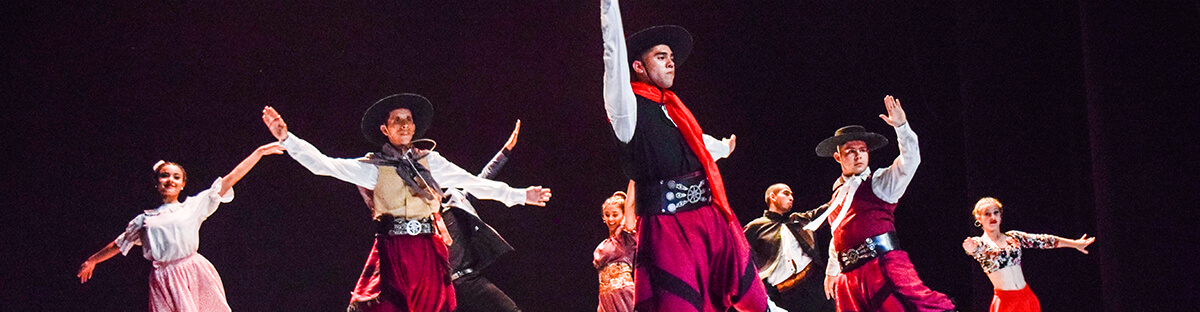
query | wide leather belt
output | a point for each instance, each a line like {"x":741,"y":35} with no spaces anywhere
{"x":871,"y":248}
{"x":392,"y":226}
{"x":670,"y":196}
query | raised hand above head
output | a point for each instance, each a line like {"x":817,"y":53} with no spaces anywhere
{"x":895,"y":113}
{"x":274,"y":123}
{"x":512,"y":139}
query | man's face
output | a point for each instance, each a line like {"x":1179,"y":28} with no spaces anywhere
{"x":657,"y":66}
{"x":781,"y":201}
{"x":853,"y":156}
{"x":399,"y":128}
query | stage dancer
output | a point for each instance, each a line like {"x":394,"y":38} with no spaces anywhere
{"x":182,"y":279}
{"x":475,"y":246}
{"x":613,"y":258}
{"x":692,"y":255}
{"x":788,"y":258}
{"x":407,"y":181}
{"x":875,"y":275}
{"x":999,"y":253}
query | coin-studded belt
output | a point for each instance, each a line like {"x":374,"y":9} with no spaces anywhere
{"x":871,"y":248}
{"x":390,"y":226}
{"x":670,"y":196}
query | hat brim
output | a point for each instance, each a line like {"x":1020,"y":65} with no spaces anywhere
{"x":679,"y":39}
{"x":829,"y":146}
{"x":377,"y":114}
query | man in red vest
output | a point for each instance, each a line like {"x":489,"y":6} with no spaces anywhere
{"x":692,"y":255}
{"x":867,"y":271}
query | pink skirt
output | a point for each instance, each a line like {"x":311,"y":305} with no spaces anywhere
{"x":190,"y":284}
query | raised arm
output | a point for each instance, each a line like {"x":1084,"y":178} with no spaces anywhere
{"x":619,"y":101}
{"x":85,"y":269}
{"x":630,"y":221}
{"x":891,"y":182}
{"x":242,"y":168}
{"x":448,"y":174}
{"x":501,"y":157}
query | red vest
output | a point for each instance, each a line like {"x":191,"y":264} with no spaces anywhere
{"x":868,"y":216}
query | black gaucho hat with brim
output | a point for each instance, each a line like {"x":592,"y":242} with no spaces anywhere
{"x":377,"y":114}
{"x":679,"y":39}
{"x":847,"y":134}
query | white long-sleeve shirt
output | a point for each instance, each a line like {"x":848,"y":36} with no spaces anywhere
{"x":619,"y":100}
{"x":364,"y":174}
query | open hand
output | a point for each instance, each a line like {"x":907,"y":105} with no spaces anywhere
{"x":512,"y":139}
{"x":1082,"y":243}
{"x":85,"y":271}
{"x":274,"y":123}
{"x":895,"y":113}
{"x":830,"y":290}
{"x":969,"y":245}
{"x":272,"y":148}
{"x":537,"y":196}
{"x":731,"y":141}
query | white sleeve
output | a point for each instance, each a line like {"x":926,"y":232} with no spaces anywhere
{"x":889,"y":183}
{"x":449,"y":175}
{"x":350,"y":170}
{"x":715,"y":147}
{"x":833,"y":268}
{"x":206,"y":202}
{"x":619,"y":102}
{"x":132,"y":235}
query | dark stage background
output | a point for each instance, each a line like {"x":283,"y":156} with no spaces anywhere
{"x":1078,"y":115}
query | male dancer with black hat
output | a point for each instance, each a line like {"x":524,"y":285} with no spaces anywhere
{"x":407,"y":195}
{"x":867,"y":271}
{"x":476,"y":245}
{"x":788,"y":258}
{"x":692,"y":255}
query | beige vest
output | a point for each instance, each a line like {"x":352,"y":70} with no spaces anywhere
{"x":393,"y":197}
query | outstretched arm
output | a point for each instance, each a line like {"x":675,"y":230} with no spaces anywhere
{"x":242,"y":168}
{"x":85,"y":269}
{"x":619,"y":100}
{"x":1080,"y":244}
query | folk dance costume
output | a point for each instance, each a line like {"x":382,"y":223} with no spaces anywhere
{"x":789,"y":261}
{"x":613,"y":259}
{"x":993,"y":258}
{"x":182,"y":280}
{"x":476,"y":245}
{"x":875,"y":275}
{"x":691,"y":253}
{"x":413,"y":265}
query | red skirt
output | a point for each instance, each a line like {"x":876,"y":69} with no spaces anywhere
{"x":405,"y":273}
{"x":695,"y":261}
{"x":1020,"y":300}
{"x":888,"y":283}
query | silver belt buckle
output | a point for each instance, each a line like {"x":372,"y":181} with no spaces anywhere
{"x":412,"y":227}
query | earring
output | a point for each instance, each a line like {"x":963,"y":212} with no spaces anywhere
{"x":977,"y":224}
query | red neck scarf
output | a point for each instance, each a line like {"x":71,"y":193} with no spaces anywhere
{"x":693,"y":135}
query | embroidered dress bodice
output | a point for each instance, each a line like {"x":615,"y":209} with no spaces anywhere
{"x":393,"y":197}
{"x":993,"y":258}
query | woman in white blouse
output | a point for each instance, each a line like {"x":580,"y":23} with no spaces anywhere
{"x":182,"y":280}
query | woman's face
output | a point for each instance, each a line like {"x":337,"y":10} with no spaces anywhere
{"x":170,"y":180}
{"x":613,"y":213}
{"x":989,"y":218}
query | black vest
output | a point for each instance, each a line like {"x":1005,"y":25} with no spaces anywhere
{"x":657,"y":150}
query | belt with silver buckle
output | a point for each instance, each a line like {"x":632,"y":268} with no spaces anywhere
{"x":670,"y":196}
{"x":392,"y":226}
{"x":871,"y":248}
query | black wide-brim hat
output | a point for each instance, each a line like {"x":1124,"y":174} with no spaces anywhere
{"x":847,"y":134}
{"x":679,"y":39}
{"x":377,"y":114}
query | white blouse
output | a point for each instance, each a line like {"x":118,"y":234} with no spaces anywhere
{"x":172,"y":231}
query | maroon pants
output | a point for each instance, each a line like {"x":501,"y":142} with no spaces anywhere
{"x":888,"y":283}
{"x":695,"y":261}
{"x":412,"y":275}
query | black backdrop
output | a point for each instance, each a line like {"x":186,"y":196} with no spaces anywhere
{"x":1076,"y":114}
